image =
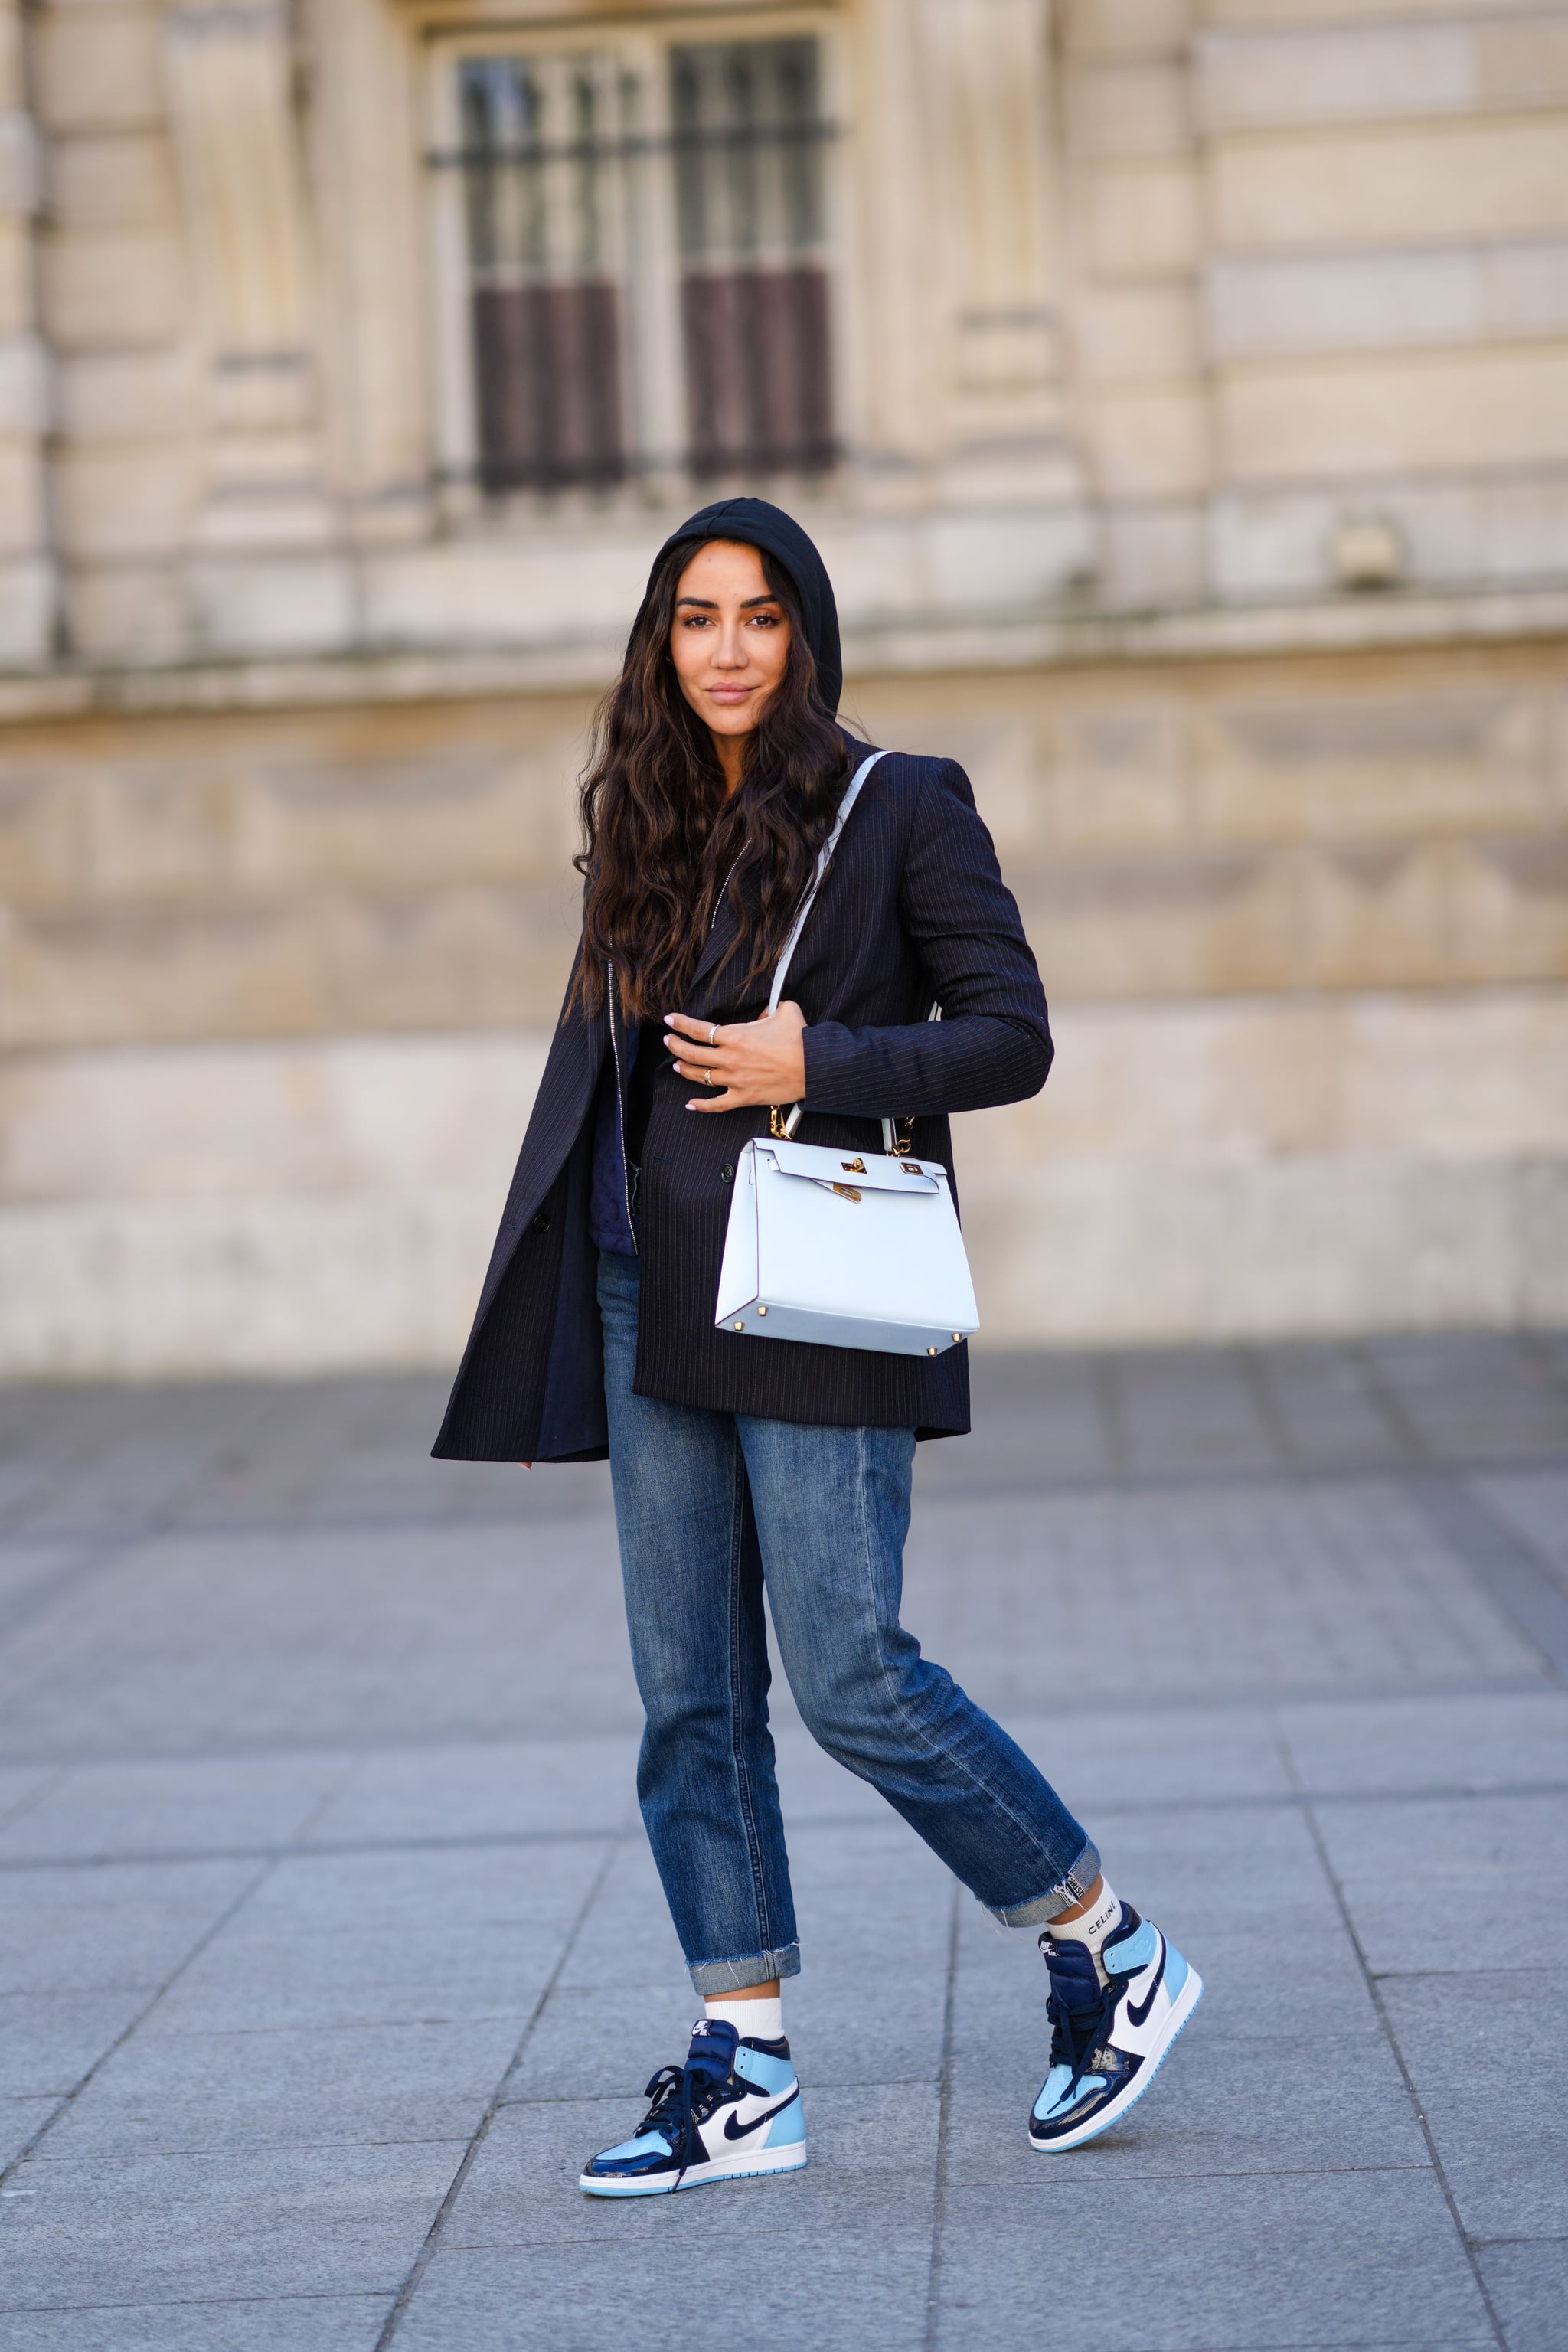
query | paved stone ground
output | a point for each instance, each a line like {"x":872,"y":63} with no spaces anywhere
{"x":330,"y":1943}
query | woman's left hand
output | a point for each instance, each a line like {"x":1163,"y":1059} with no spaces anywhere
{"x":755,"y":1061}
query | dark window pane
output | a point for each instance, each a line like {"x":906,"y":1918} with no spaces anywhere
{"x":756,"y":369}
{"x":546,"y":311}
{"x":548,"y":362}
{"x":748,"y":173}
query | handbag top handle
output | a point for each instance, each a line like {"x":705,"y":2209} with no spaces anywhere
{"x":824,"y":860}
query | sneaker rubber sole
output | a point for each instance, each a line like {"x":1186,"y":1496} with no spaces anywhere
{"x":723,"y":2168}
{"x":1182,"y":2008}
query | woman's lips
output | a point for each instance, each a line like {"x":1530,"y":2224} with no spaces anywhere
{"x":731,"y":693}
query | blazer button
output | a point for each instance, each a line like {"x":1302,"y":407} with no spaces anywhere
{"x":541,"y":1222}
{"x":728,"y":1176}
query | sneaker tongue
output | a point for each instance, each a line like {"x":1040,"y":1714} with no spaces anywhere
{"x":1073,"y":1979}
{"x":713,"y":2053}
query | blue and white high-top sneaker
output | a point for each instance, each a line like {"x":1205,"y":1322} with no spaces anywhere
{"x":1106,"y":2041}
{"x":733,"y":2110}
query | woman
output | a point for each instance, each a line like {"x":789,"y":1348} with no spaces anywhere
{"x":738,"y":1462}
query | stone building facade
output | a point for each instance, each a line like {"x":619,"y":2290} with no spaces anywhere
{"x":1179,"y":390}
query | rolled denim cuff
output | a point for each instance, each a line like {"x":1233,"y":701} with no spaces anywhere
{"x":1041,"y":1909}
{"x":714,"y":1977}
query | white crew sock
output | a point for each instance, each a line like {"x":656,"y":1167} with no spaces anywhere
{"x":755,"y":2020}
{"x":1090,"y":1927}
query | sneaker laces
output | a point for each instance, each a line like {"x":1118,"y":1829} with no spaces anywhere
{"x":1074,"y":2031}
{"x":680,"y":2098}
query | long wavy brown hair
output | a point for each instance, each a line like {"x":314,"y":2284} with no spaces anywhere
{"x":663,"y":845}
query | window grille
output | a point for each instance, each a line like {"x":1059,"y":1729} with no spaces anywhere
{"x":570,"y":163}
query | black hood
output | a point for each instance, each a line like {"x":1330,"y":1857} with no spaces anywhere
{"x":779,"y":536}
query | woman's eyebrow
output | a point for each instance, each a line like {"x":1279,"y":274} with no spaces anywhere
{"x":707,"y":603}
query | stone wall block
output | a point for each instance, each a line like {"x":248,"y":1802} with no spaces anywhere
{"x":1523,"y":64}
{"x":122,"y":610}
{"x":263,"y":602}
{"x":398,"y":824}
{"x":96,"y":70}
{"x":1125,"y":29}
{"x":1131,"y":110}
{"x":1342,"y":73}
{"x":456,"y":959}
{"x":139,"y":973}
{"x":26,"y":390}
{"x":1264,"y":15}
{"x":1396,"y":768}
{"x":108,"y":289}
{"x":1144,"y":220}
{"x":1511,"y":910}
{"x":1151,"y":441}
{"x":21,"y":498}
{"x":1120,"y":780}
{"x":17,"y":309}
{"x":1378,"y":914}
{"x":164,"y":832}
{"x":1260,"y":306}
{"x":1134,"y":333}
{"x":1155,"y":554}
{"x":118,"y":396}
{"x":21,"y":162}
{"x":1186,"y":924}
{"x":28,"y":596}
{"x":121,"y":181}
{"x":364,"y":1116}
{"x":44,"y":857}
{"x":1461,"y":180}
{"x":131,"y":498}
{"x":1502,"y":408}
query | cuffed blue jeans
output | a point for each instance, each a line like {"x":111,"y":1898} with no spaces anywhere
{"x":712,"y":1506}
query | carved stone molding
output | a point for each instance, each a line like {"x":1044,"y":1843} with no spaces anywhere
{"x":230,"y":73}
{"x":28,"y":574}
{"x":989,"y":102}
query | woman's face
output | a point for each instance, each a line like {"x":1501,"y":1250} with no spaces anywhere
{"x":730,"y":637}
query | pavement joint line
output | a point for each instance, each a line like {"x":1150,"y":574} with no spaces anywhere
{"x":1380,"y":2006}
{"x":1534,"y":2238}
{"x":230,"y":1912}
{"x":1516,"y":1577}
{"x":102,"y":2157}
{"x":1211,"y":1706}
{"x":1062,"y":2177}
{"x":797,"y":1824}
{"x":943,"y":2120}
{"x":1385,"y":1396}
{"x":215,"y":2302}
{"x":52,"y":1775}
{"x":1259,"y":1386}
{"x":1221,"y":1478}
{"x":410,"y":2285}
{"x":69,"y":2098}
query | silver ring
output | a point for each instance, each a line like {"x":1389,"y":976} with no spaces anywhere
{"x":713,"y":1032}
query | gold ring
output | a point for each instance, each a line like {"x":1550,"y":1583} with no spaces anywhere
{"x":707,"y":1079}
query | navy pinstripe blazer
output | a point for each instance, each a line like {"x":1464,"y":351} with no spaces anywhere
{"x":914,"y":910}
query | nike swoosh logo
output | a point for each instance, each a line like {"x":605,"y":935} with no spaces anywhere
{"x":1140,"y":2016}
{"x":733,"y":2130}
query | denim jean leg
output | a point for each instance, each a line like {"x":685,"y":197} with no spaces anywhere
{"x":833,"y":1512}
{"x":692,"y":1573}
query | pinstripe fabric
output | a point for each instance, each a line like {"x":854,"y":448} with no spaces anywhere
{"x":913,"y":909}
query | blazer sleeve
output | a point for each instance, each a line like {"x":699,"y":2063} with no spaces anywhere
{"x":993,"y":1043}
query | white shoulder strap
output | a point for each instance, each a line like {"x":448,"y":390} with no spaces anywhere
{"x":824,"y":860}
